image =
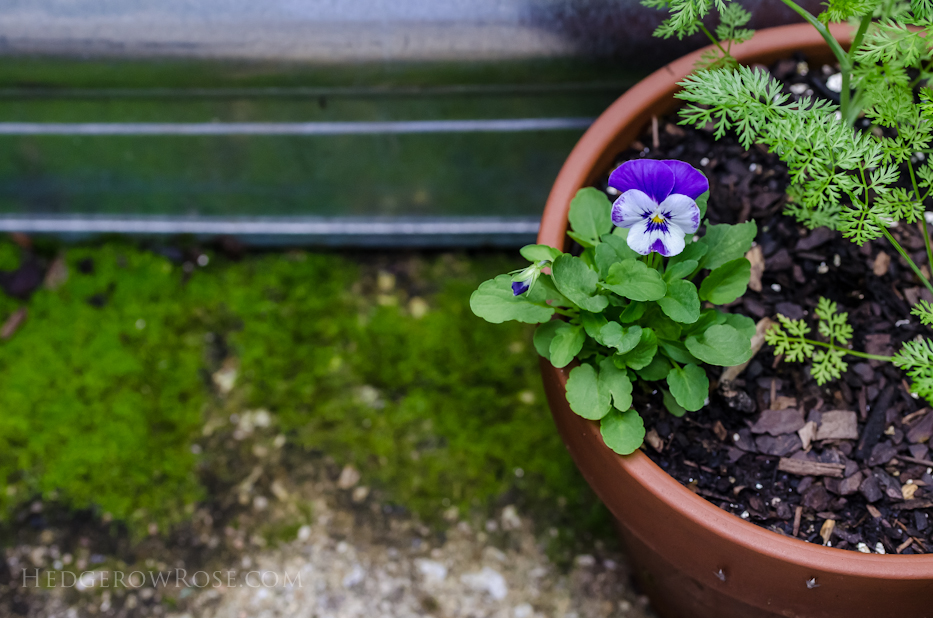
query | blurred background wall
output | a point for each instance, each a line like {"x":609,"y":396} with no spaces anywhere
{"x":371,"y":121}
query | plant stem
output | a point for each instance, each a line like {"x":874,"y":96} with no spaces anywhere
{"x":923,"y":218}
{"x":713,"y":39}
{"x":886,"y":359}
{"x":845,"y":64}
{"x":876,"y":357}
{"x":906,"y":257}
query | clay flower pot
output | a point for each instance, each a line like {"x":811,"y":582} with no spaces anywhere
{"x":693,"y":559}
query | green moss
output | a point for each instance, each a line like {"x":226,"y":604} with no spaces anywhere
{"x":437,"y":410}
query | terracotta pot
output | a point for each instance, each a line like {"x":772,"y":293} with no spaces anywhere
{"x":693,"y":559}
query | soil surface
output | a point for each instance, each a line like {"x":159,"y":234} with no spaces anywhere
{"x":846,"y":464}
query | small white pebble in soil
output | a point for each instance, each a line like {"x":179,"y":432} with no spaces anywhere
{"x":744,"y":515}
{"x":610,"y":565}
{"x":834,"y":82}
{"x":704,"y":161}
{"x":304,"y":533}
{"x":798,"y":89}
{"x":811,"y":583}
{"x":203,"y":260}
{"x":586,"y":561}
{"x":862,"y":547}
{"x":431,"y":570}
{"x":260,"y":503}
{"x":775,"y":501}
{"x":803,"y":68}
{"x":736,"y":437}
{"x":776,"y":287}
{"x":822,"y":268}
{"x":355,"y":577}
{"x":758,"y":486}
{"x":900,"y":323}
{"x":837,"y":261}
{"x":920,"y":156}
{"x":879,"y":548}
{"x":487,"y":580}
{"x":519,"y":473}
{"x":753,"y":167}
{"x":612,"y":191}
{"x":140,"y":323}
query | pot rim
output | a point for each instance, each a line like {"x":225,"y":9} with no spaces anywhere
{"x":594,"y":153}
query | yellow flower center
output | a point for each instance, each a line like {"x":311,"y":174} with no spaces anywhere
{"x":657,"y":218}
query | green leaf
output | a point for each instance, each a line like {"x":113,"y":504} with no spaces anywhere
{"x":727,"y":282}
{"x":543,"y":336}
{"x":727,"y":242}
{"x":611,"y":250}
{"x":577,"y":282}
{"x":663,"y":326}
{"x":634,"y":280}
{"x":640,"y":356}
{"x":494,"y":302}
{"x":680,"y":270}
{"x":693,"y":251}
{"x":616,"y":380}
{"x":633,"y":312}
{"x":614,"y":335}
{"x":536,"y":253}
{"x":741,"y":323}
{"x":567,"y":342}
{"x":681,"y":303}
{"x":701,"y":202}
{"x":590,"y":214}
{"x":677,"y":351}
{"x":586,"y":243}
{"x":623,"y":432}
{"x":592,"y":323}
{"x":689,"y":386}
{"x":657,"y":369}
{"x":586,"y":396}
{"x":671,"y":404}
{"x":721,"y":345}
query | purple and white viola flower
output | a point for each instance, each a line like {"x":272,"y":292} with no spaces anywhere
{"x":657,"y":203}
{"x":524,"y":279}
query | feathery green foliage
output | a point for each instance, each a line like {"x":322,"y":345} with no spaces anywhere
{"x":862,"y":180}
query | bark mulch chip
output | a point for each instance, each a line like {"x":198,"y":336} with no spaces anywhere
{"x":772,"y":446}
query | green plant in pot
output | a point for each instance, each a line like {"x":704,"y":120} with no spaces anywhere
{"x":694,"y":559}
{"x":631,"y":302}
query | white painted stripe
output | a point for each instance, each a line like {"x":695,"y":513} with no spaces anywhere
{"x":297,"y":226}
{"x":293,"y":128}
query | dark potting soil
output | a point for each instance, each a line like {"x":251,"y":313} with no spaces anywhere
{"x":846,"y":464}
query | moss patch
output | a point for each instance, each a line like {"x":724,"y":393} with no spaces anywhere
{"x":376,"y":361}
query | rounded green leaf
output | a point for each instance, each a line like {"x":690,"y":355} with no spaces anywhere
{"x":590,"y":214}
{"x":634,"y":280}
{"x":543,"y":336}
{"x":727,"y":242}
{"x":586,"y":396}
{"x":671,"y":404}
{"x":681,"y":303}
{"x":494,"y":302}
{"x":612,"y":250}
{"x":643,"y":353}
{"x":727,"y":282}
{"x":614,"y":335}
{"x":566,"y":344}
{"x":679,"y":270}
{"x":741,"y":323}
{"x":618,"y":383}
{"x":689,"y":386}
{"x":657,"y":369}
{"x":623,"y":432}
{"x":575,"y":280}
{"x":536,"y":253}
{"x":721,"y":345}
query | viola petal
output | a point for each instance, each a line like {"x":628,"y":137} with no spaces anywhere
{"x":645,"y":237}
{"x":638,"y":239}
{"x":688,"y":180}
{"x":681,"y":211}
{"x":519,"y":287}
{"x":631,"y":207}
{"x":653,"y":178}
